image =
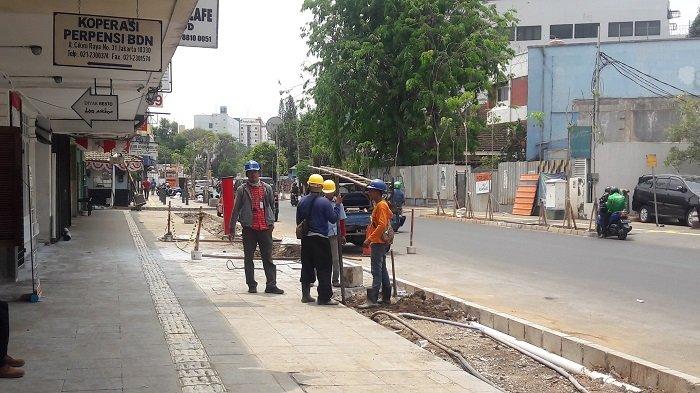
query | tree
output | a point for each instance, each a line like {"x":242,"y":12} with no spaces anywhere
{"x":265,"y":153}
{"x":687,"y":130}
{"x":303,"y":171}
{"x":694,"y":30}
{"x":388,"y":71}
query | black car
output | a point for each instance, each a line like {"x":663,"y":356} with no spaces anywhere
{"x":677,"y":196}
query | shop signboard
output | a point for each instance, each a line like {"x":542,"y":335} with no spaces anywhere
{"x":92,"y":107}
{"x":483,"y":182}
{"x":202,"y":29}
{"x":166,"y":81}
{"x":101,"y":41}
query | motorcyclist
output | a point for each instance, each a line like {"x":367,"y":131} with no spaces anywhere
{"x":615,"y":203}
{"x":603,"y":210}
{"x":295,"y":189}
{"x":397,"y":200}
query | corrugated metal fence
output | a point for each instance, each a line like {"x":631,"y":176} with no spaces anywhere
{"x":422,"y":182}
{"x":508,"y":177}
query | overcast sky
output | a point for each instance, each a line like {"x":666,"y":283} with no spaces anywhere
{"x":259,"y":45}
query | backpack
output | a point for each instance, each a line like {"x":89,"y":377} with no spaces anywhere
{"x":303,"y":227}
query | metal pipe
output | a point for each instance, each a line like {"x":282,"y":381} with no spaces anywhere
{"x":410,"y":242}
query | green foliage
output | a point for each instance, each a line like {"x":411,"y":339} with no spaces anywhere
{"x":537,"y":117}
{"x":694,"y":30}
{"x":391,"y":75}
{"x":265,"y":153}
{"x":303,"y":171}
{"x":190,"y":147}
{"x":687,"y":130}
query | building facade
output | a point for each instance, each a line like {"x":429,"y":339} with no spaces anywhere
{"x":634,"y":112}
{"x":252,"y":131}
{"x":571,"y":22}
{"x":218,"y":122}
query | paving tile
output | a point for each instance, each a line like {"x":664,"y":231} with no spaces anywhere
{"x":91,"y":384}
{"x":31,"y":385}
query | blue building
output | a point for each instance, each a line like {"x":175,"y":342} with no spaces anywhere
{"x":633,"y":115}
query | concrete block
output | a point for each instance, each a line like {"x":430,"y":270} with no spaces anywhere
{"x":619,"y":362}
{"x":500,"y":323}
{"x":594,"y":356}
{"x":533,"y":335}
{"x":645,"y":373}
{"x":485,"y":317}
{"x":551,"y":341}
{"x":352,"y":275}
{"x":676,"y":382}
{"x":572,"y":349}
{"x":516,"y":328}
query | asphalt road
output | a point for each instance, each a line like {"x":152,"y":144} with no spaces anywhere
{"x":640,"y":296}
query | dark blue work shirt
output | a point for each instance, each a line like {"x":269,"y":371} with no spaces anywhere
{"x":319,"y":215}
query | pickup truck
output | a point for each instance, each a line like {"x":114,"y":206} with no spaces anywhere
{"x":358,"y":211}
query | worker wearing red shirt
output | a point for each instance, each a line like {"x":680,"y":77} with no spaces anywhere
{"x":253,"y":209}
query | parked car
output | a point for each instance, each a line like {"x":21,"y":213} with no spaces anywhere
{"x":677,"y":196}
{"x":238,"y":182}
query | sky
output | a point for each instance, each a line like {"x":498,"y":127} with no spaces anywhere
{"x":260,"y":53}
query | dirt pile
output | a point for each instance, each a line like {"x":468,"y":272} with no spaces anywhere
{"x":283,"y":251}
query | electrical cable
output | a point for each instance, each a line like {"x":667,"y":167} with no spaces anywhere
{"x":542,"y":361}
{"x":453,"y":354}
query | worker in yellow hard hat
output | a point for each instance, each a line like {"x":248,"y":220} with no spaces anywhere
{"x":336,"y":239}
{"x":313,"y":217}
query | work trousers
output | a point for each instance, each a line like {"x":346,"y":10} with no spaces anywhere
{"x":380,"y":276}
{"x":252,"y":239}
{"x":333,"y":240}
{"x":316,"y":258}
{"x":4,"y":331}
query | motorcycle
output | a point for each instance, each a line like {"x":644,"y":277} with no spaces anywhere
{"x":619,"y":225}
{"x":294,"y":199}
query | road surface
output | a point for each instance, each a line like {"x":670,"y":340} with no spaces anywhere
{"x":639,"y":296}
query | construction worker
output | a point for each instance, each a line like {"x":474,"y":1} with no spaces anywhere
{"x":253,"y":208}
{"x":381,"y":219}
{"x":336,"y":239}
{"x":316,"y":255}
{"x":9,"y":367}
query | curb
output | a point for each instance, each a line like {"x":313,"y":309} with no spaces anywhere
{"x":516,"y":225}
{"x":177,"y":209}
{"x":631,"y":369}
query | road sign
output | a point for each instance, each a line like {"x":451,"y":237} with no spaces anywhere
{"x":139,"y":148}
{"x":651,"y":160}
{"x":482,"y":182}
{"x":98,"y":41}
{"x":96,"y":107}
{"x":158,"y":101}
{"x":202,"y":30}
{"x":166,"y":81}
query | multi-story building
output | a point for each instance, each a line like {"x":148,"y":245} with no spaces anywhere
{"x":251,"y":131}
{"x":218,"y":122}
{"x":573,"y":21}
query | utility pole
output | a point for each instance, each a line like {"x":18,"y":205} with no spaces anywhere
{"x":206,"y":189}
{"x":596,"y":113}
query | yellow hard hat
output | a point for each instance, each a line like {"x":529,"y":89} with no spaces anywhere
{"x":315,"y":180}
{"x":329,"y":187}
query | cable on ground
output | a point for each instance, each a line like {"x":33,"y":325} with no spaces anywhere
{"x":453,"y":354}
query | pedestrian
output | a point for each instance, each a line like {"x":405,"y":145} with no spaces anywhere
{"x":153,"y":186}
{"x":336,"y":239}
{"x":253,"y":209}
{"x":381,"y":218}
{"x":316,"y":258}
{"x":9,"y":367}
{"x":162,"y":194}
{"x":146,"y":187}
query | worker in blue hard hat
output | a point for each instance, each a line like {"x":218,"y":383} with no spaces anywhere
{"x":379,"y":244}
{"x":253,"y":208}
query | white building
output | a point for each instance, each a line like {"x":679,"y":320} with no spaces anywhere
{"x":540,"y":22}
{"x":252,"y":131}
{"x":218,"y":122}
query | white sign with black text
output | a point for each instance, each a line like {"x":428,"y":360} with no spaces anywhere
{"x":138,"y":148}
{"x":92,"y":107}
{"x":96,"y":41}
{"x":203,"y":27}
{"x":166,"y":81}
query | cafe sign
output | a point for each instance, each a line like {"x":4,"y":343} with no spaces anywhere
{"x":98,"y":41}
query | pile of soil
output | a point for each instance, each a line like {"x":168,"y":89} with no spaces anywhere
{"x":283,"y":251}
{"x":210,"y":222}
{"x":508,"y":368}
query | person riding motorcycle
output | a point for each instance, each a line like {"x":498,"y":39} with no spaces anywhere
{"x":397,"y":200}
{"x":615,"y":203}
{"x":603,"y":210}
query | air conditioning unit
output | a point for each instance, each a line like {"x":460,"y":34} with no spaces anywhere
{"x":577,"y":195}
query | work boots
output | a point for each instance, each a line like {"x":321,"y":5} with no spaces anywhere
{"x":386,"y":296}
{"x":8,"y":371}
{"x":372,"y":296}
{"x":306,"y":294}
{"x":329,"y":302}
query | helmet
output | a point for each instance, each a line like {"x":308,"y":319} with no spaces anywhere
{"x":329,"y":187}
{"x":252,"y":166}
{"x":615,"y":190}
{"x":607,"y":189}
{"x":397,"y":185}
{"x":377,"y":184}
{"x":315,"y":180}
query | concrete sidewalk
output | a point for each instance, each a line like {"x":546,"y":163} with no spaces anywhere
{"x":124,"y":313}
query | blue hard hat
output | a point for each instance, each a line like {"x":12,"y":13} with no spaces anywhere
{"x":252,"y":166}
{"x":377,"y":184}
